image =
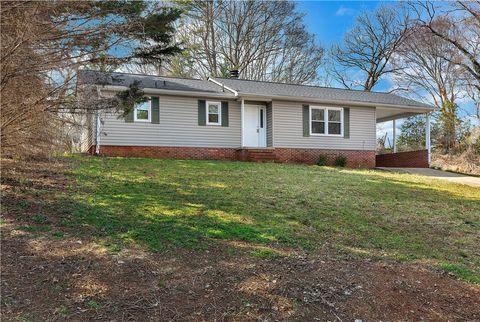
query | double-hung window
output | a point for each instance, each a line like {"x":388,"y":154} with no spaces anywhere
{"x":214,"y":113}
{"x":326,"y":121}
{"x":143,"y":112}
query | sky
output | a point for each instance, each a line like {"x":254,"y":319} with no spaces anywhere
{"x":330,"y":20}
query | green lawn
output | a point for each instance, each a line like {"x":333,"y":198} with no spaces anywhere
{"x":162,"y":204}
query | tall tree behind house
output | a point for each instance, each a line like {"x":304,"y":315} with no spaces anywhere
{"x":364,"y":55}
{"x":422,"y":69}
{"x":264,"y":40}
{"x":460,"y":28}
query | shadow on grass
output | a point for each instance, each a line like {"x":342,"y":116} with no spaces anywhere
{"x":188,"y":203}
{"x":162,"y":204}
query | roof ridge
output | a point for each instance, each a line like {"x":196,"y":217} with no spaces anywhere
{"x":306,"y":85}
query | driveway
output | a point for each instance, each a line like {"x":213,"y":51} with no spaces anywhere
{"x":438,"y":174}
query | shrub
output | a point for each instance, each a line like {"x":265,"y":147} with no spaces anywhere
{"x":322,"y":160}
{"x":340,"y":161}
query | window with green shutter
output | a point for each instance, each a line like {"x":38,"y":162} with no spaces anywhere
{"x":214,"y":113}
{"x":327,"y":121}
{"x":225,"y":114}
{"x":155,"y":107}
{"x":306,"y":120}
{"x":143,"y":112}
{"x":346,"y":122}
{"x":202,"y":114}
{"x":147,"y":112}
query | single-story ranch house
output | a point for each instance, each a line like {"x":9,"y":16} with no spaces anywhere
{"x":236,"y":119}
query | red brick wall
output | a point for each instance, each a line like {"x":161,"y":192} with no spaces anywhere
{"x":169,"y":152}
{"x":411,"y":159}
{"x":355,"y":159}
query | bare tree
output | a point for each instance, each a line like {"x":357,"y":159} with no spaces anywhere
{"x":462,"y":31}
{"x":422,"y":69}
{"x":365,"y":53}
{"x":264,"y":40}
{"x":44,"y":43}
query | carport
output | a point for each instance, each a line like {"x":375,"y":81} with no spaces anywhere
{"x":408,"y":159}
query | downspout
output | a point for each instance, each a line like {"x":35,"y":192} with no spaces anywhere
{"x":97,"y":128}
{"x":242,"y":118}
{"x":427,"y":138}
{"x":97,"y":134}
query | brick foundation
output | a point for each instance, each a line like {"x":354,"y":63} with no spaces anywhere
{"x":181,"y":153}
{"x":355,"y":158}
{"x":411,"y":159}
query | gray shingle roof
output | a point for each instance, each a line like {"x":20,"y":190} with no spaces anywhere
{"x":248,"y":87}
{"x":147,"y":81}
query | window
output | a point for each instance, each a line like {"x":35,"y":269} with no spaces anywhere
{"x":261,"y":118}
{"x":214,"y":113}
{"x":326,"y":121}
{"x":143,"y":112}
{"x":335,"y":122}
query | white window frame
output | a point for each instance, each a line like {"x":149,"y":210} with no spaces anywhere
{"x":219,"y":104}
{"x":149,"y":109}
{"x":325,"y":120}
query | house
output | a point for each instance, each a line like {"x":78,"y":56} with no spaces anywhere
{"x":236,"y":119}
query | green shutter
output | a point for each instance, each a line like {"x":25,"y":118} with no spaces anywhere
{"x":225,"y":114}
{"x":155,"y":104}
{"x":129,"y":116}
{"x":202,"y":113}
{"x":306,"y":120}
{"x":346,"y":123}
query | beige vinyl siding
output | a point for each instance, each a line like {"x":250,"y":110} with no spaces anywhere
{"x":288,"y":133}
{"x":178,"y":127}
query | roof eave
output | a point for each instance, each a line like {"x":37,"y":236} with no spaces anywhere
{"x":147,"y":90}
{"x":421,"y":109}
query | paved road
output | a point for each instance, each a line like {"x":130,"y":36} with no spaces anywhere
{"x":438,"y":174}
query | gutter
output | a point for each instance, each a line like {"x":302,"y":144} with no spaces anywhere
{"x":169,"y":92}
{"x":399,"y":116}
{"x":335,"y":102}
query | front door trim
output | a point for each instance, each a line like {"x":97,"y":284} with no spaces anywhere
{"x":254,"y":135}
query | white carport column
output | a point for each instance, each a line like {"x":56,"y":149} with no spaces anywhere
{"x":427,"y":137}
{"x":394,"y":137}
{"x":242,"y":119}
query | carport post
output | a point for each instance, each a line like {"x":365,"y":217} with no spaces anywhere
{"x":242,"y":120}
{"x":394,"y":137}
{"x":427,"y":136}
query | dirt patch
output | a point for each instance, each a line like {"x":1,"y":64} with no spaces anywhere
{"x":58,"y":275}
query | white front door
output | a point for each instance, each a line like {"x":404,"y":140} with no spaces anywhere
{"x":254,"y":128}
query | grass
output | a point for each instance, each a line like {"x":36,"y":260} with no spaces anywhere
{"x":163,"y":204}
